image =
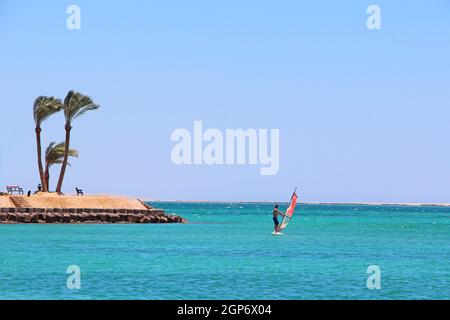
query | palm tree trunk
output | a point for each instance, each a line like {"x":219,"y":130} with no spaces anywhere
{"x":47,"y":177}
{"x":66,"y":157}
{"x":39,"y":157}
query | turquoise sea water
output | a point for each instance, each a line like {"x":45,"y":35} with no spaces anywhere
{"x":227,"y":252}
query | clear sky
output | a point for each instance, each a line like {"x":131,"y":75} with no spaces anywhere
{"x":363,"y":115}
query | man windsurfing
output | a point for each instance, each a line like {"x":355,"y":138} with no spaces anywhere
{"x":286,"y":216}
{"x":275,"y":213}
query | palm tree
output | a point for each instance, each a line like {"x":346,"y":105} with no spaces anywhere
{"x":43,"y":108}
{"x":55,"y":155}
{"x":75,"y":105}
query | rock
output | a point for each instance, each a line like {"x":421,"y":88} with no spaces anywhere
{"x":181,"y":220}
{"x":28,"y":218}
{"x":59,"y":217}
{"x":162,"y":219}
{"x":146,"y":219}
{"x":49,"y":218}
{"x":94,"y":217}
{"x":74,"y":217}
{"x":3,"y":216}
{"x":131,"y":218}
{"x":21,"y":217}
{"x":66,"y":218}
{"x":41,"y":216}
{"x":88,"y":216}
{"x":82,"y":216}
{"x":35,"y":217}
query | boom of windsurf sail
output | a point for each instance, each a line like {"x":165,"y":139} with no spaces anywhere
{"x":289,"y":212}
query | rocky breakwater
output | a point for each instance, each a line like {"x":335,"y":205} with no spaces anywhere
{"x":83,"y":215}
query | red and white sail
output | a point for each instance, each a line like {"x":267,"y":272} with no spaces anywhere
{"x":289,"y":212}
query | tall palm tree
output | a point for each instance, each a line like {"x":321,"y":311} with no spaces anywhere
{"x":55,"y":155}
{"x":75,"y":105}
{"x":43,"y":108}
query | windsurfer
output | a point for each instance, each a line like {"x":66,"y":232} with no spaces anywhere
{"x":275,"y":213}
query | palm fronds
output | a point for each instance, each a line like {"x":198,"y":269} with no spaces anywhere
{"x":54,"y":154}
{"x":77,"y":104}
{"x":44,"y":107}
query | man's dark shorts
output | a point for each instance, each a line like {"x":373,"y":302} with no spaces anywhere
{"x":275,"y":220}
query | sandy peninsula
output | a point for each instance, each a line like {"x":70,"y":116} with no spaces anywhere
{"x":53,"y":208}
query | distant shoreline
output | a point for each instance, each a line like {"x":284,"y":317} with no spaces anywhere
{"x":309,"y":203}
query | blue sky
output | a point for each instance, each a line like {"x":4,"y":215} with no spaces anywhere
{"x":363,"y":115}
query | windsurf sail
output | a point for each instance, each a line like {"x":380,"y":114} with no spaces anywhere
{"x":290,"y":211}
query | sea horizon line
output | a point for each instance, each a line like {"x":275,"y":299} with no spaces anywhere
{"x":362,"y":203}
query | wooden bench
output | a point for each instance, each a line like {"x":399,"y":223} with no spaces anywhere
{"x":79,"y":192}
{"x":14,"y":189}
